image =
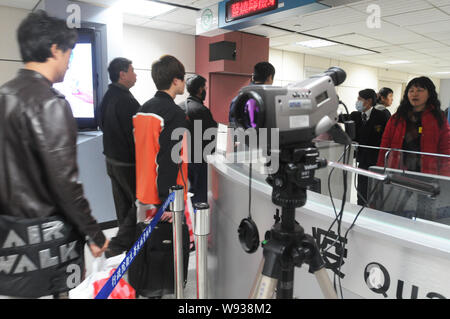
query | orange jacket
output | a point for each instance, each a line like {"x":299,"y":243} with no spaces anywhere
{"x":156,"y":170}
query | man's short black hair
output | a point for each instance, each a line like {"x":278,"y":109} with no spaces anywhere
{"x":165,"y":69}
{"x":38,"y":32}
{"x":262,"y":71}
{"x":194,"y":83}
{"x":117,"y":65}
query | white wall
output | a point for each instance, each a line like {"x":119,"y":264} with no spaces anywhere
{"x":10,"y":60}
{"x":144,"y":45}
{"x":291,"y":67}
{"x":444,"y":95}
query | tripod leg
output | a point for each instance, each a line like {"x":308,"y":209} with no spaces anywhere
{"x":325,"y":284}
{"x":266,"y":287}
{"x":257,"y":280}
{"x":285,"y":289}
{"x":263,"y":286}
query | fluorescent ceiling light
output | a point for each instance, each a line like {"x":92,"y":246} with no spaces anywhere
{"x":316,"y":43}
{"x":145,"y":8}
{"x":398,"y":62}
{"x":443,"y":72}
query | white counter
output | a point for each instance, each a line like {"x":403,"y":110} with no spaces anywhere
{"x":387,"y":256}
{"x":96,"y":183}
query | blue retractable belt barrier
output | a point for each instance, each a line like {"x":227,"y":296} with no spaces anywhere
{"x":126,"y":262}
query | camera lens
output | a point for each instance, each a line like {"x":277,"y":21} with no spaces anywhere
{"x":251,"y":112}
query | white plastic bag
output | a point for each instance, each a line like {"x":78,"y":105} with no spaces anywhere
{"x":101,"y":268}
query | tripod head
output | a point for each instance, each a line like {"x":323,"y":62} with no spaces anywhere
{"x":296,"y":172}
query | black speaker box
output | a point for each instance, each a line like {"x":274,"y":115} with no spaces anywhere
{"x":223,"y":50}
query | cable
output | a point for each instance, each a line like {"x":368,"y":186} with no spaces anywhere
{"x":345,"y":106}
{"x":331,"y":195}
{"x":338,"y":217}
{"x":346,"y":161}
{"x":353,"y":224}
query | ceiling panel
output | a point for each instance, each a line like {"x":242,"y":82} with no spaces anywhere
{"x":392,"y":7}
{"x":165,"y":26}
{"x":22,"y":4}
{"x":439,"y":26}
{"x":446,"y":41}
{"x":134,"y":20}
{"x":392,"y":34}
{"x":359,"y":40}
{"x":301,"y":49}
{"x":417,"y":17}
{"x":446,"y":9}
{"x":292,"y":38}
{"x":335,"y":16}
{"x":438,"y":36}
{"x":266,"y":31}
{"x":300,"y":25}
{"x":339,"y":30}
{"x":439,"y":3}
{"x":425,"y":45}
{"x":355,"y":52}
{"x":181,"y":16}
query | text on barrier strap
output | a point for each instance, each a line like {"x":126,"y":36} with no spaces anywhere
{"x":129,"y":258}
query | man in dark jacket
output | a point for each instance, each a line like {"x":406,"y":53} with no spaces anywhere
{"x":116,"y":113}
{"x":199,"y":120}
{"x":369,"y":128}
{"x":44,"y":216}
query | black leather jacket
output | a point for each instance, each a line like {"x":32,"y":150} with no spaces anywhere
{"x":38,"y":167}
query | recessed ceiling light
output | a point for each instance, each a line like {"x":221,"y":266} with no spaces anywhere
{"x":144,"y":8}
{"x":398,"y":62}
{"x":316,"y":43}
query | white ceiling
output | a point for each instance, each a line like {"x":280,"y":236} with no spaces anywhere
{"x":413,"y":30}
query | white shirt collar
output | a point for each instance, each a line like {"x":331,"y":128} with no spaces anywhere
{"x":368,"y":112}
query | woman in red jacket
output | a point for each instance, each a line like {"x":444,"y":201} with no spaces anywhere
{"x":418,"y":125}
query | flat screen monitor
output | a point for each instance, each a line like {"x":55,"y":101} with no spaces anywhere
{"x":79,"y":85}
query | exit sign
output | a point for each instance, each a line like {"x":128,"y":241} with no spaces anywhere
{"x":238,"y":9}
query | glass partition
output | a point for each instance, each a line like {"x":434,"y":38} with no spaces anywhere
{"x":404,"y":201}
{"x":430,"y":169}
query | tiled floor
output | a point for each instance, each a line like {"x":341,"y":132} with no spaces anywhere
{"x":190,"y":289}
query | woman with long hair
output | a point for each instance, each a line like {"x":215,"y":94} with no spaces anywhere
{"x":419,"y":126}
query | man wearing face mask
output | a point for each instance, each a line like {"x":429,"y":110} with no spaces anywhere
{"x":200,"y":119}
{"x":369,"y":127}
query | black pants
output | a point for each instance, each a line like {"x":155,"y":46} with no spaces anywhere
{"x":123,"y":181}
{"x":363,"y":184}
{"x":198,"y":182}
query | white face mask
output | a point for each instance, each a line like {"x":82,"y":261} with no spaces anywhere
{"x":359,"y":106}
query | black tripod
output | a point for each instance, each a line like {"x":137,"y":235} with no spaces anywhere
{"x":287,"y":245}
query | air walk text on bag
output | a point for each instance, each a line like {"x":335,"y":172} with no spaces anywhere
{"x":39,"y":256}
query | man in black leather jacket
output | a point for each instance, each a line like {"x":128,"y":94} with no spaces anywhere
{"x":43,"y":211}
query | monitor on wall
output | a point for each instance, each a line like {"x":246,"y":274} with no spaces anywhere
{"x":80,"y":82}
